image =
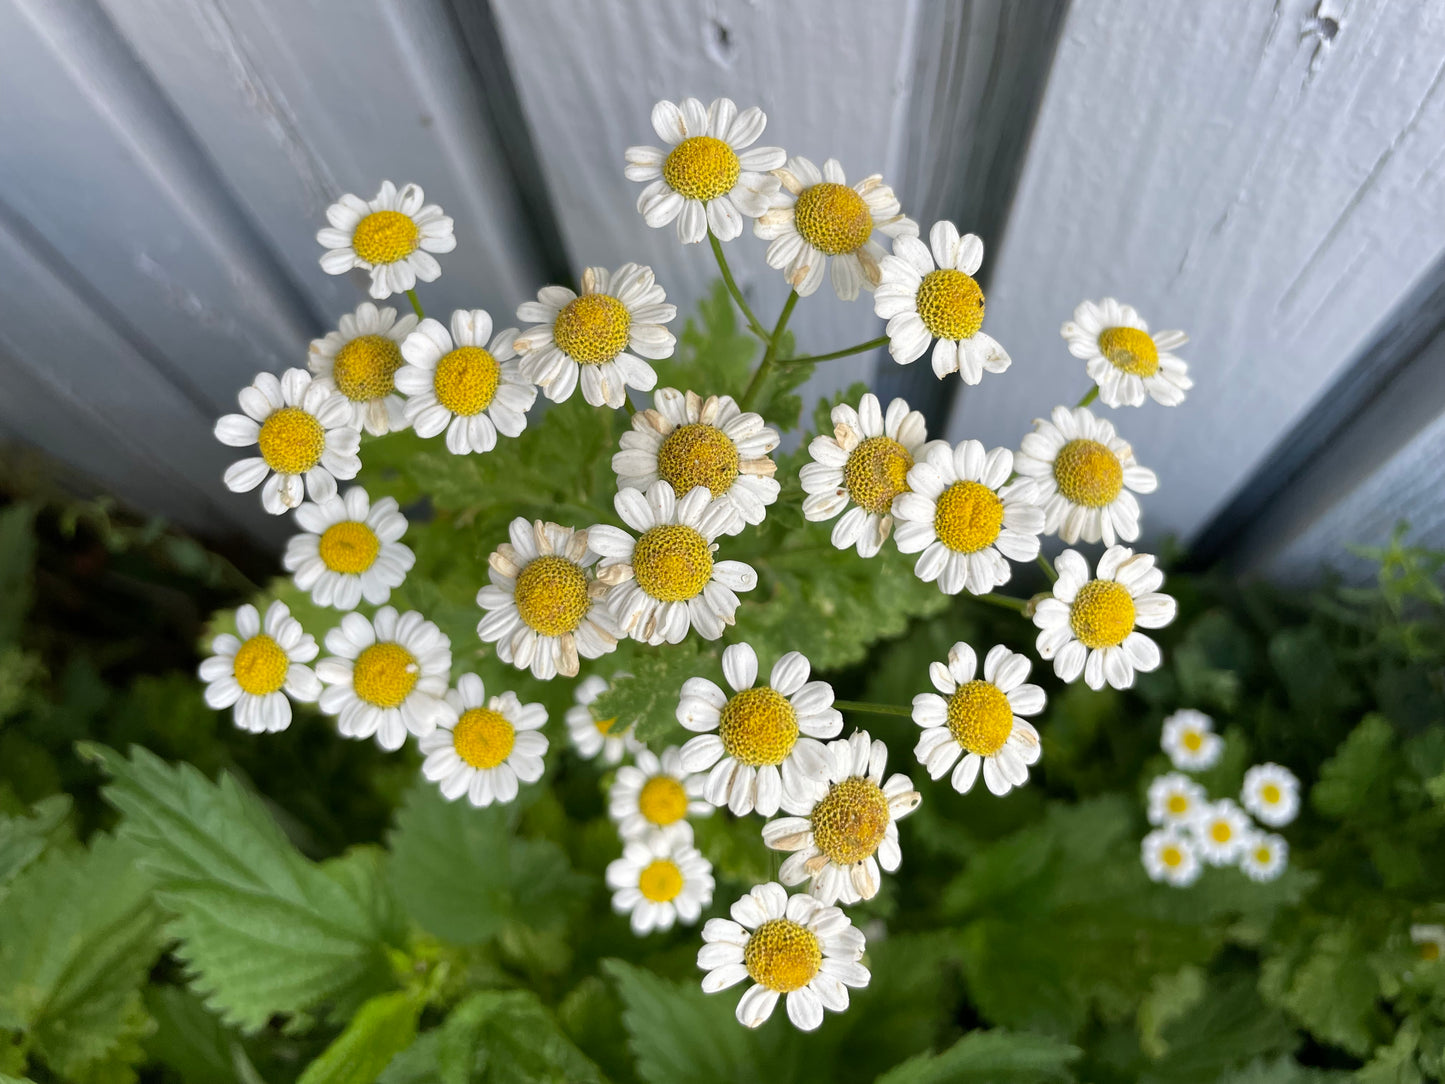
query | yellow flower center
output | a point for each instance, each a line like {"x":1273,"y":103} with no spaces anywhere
{"x":1130,"y":350}
{"x":261,"y":666}
{"x":348,"y":547}
{"x":1171,"y":855}
{"x":1262,"y":855}
{"x":968,"y":517}
{"x":783,"y":955}
{"x":1429,"y":950}
{"x":385,"y":237}
{"x":672,"y":563}
{"x":1102,"y":614}
{"x":551,"y":595}
{"x":758,"y":727}
{"x":876,"y":472}
{"x":660,"y":880}
{"x":1088,"y":473}
{"x":850,"y":822}
{"x":483,"y":737}
{"x":291,"y":441}
{"x":980,"y":718}
{"x":1193,"y":740}
{"x":604,"y":726}
{"x":698,"y":455}
{"x":662,"y":800}
{"x":365,"y":368}
{"x":833,"y":218}
{"x":1221,"y":832}
{"x":384,"y":674}
{"x":466,"y":379}
{"x":1270,"y":793}
{"x":1178,"y":805}
{"x":592,"y":329}
{"x":701,"y":168}
{"x":950,"y":304}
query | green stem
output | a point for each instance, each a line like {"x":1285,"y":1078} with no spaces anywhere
{"x":631,"y":410}
{"x":1048,"y":568}
{"x":1090,"y":397}
{"x":872,"y":709}
{"x":766,"y":365}
{"x":1008,"y":602}
{"x":415,"y":305}
{"x":722,"y":264}
{"x":871,"y":344}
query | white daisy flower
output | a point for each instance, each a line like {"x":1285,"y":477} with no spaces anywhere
{"x":964,"y":518}
{"x":600,"y":338}
{"x":1263,"y":856}
{"x":654,"y":796}
{"x":669,"y":580}
{"x":255,"y":671}
{"x":1429,"y":941}
{"x":349,"y":549}
{"x":816,"y":215}
{"x":360,"y":359}
{"x":304,"y":434}
{"x":1189,"y":739}
{"x":760,"y":745}
{"x":793,"y":945}
{"x":492,"y":745}
{"x":1271,"y":793}
{"x":851,"y":829}
{"x":928,"y":292}
{"x":461,"y":382}
{"x":1088,"y":627}
{"x":392,"y":236}
{"x":712,"y":176}
{"x":1084,"y":477}
{"x":1220,"y":830}
{"x":590,"y":735}
{"x":864,"y":462}
{"x":387,"y":676}
{"x":660,"y":881}
{"x":1123,"y":358}
{"x":979,"y":719}
{"x":1170,"y":855}
{"x":688,"y":441}
{"x":1175,"y":799}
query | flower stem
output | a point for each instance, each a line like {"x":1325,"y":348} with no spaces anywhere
{"x":1008,"y":602}
{"x":1048,"y":568}
{"x":1093,"y":394}
{"x":415,"y":304}
{"x":871,"y":344}
{"x":766,"y":365}
{"x":631,"y":410}
{"x":722,"y":265}
{"x":872,"y":709}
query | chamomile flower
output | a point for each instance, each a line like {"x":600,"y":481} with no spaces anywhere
{"x":851,"y":829}
{"x":1429,"y":941}
{"x":688,"y":441}
{"x":599,"y":338}
{"x":787,"y":945}
{"x":1084,"y":477}
{"x":349,"y":549}
{"x":1271,"y":793}
{"x":667,"y":579}
{"x":545,"y":606}
{"x":979,"y":719}
{"x":591,"y":735}
{"x":1220,"y":830}
{"x":386,"y":676}
{"x":1170,"y":856}
{"x":254,"y":671}
{"x":654,"y":796}
{"x":964,"y":518}
{"x":304,"y":435}
{"x":393,"y":236}
{"x":816,"y":215}
{"x":760,"y":745}
{"x":660,"y":881}
{"x":865,"y":463}
{"x":1089,"y":626}
{"x":1175,"y":799}
{"x":711,"y":176}
{"x":485,"y":746}
{"x":927,"y":293}
{"x":1123,"y":358}
{"x":464,"y":383}
{"x":360,"y":359}
{"x":1189,"y":739}
{"x":1263,"y":856}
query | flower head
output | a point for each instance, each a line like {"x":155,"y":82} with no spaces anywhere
{"x":1221,"y":830}
{"x":660,"y":881}
{"x":590,"y":735}
{"x":484,"y":747}
{"x":393,"y":236}
{"x":255,"y":671}
{"x":360,"y":360}
{"x":1175,"y":799}
{"x":1188,"y":737}
{"x":1271,"y":793}
{"x":1263,"y":856}
{"x":1429,"y":941}
{"x":1123,"y":358}
{"x":1171,"y":856}
{"x":349,"y":549}
{"x":654,"y":796}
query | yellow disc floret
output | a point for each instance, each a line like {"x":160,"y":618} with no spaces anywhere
{"x":662,"y":800}
{"x":384,"y":674}
{"x":385,"y":237}
{"x":551,"y":595}
{"x":1193,"y":740}
{"x":1429,"y":950}
{"x":466,"y":380}
{"x":1102,"y":615}
{"x":698,"y":455}
{"x":980,"y":717}
{"x":1262,"y":855}
{"x":1172,"y":855}
{"x":672,"y":562}
{"x":348,"y":547}
{"x":592,"y":329}
{"x":260,"y":666}
{"x":1129,"y":350}
{"x":660,"y":880}
{"x":701,"y":168}
{"x":783,"y":955}
{"x":950,"y":304}
{"x":851,"y":821}
{"x":833,"y":218}
{"x":1221,"y":831}
{"x":876,"y":472}
{"x":758,"y":726}
{"x":968,"y":517}
{"x":483,"y":737}
{"x":291,"y":441}
{"x":1178,"y":805}
{"x":1270,"y":793}
{"x":1088,"y":473}
{"x":365,"y":368}
{"x":604,"y":726}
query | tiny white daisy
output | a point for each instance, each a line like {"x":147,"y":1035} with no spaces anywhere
{"x":669,"y":580}
{"x":386,"y":676}
{"x":586,"y":339}
{"x":654,"y":796}
{"x":928,"y":292}
{"x":393,"y":236}
{"x":1263,"y":856}
{"x":712,"y":176}
{"x":1429,"y":941}
{"x":1170,"y":855}
{"x":1271,"y":793}
{"x":1123,"y":358}
{"x":254,"y":671}
{"x":1220,"y":830}
{"x":816,"y":215}
{"x":360,"y":359}
{"x":658,"y":882}
{"x":590,"y":735}
{"x":463,"y":383}
{"x":1175,"y":799}
{"x":760,"y":745}
{"x":349,"y":549}
{"x":1089,"y":626}
{"x":793,"y":945}
{"x":964,"y":518}
{"x":303,"y":432}
{"x":852,"y":827}
{"x":865,"y":462}
{"x":485,"y":747}
{"x":688,"y":441}
{"x":1188,"y":737}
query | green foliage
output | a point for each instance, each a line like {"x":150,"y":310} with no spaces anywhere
{"x":382,"y":1028}
{"x":988,"y":1057}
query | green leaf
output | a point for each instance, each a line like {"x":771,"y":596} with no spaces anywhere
{"x":1283,"y":1071}
{"x":1355,"y":783}
{"x":988,"y":1057}
{"x":381,"y":1028}
{"x":190,"y":1040}
{"x":17,"y":560}
{"x":1227,"y":1026}
{"x":1333,"y":991}
{"x":648,"y":693}
{"x":23,"y":839}
{"x":715,"y":352}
